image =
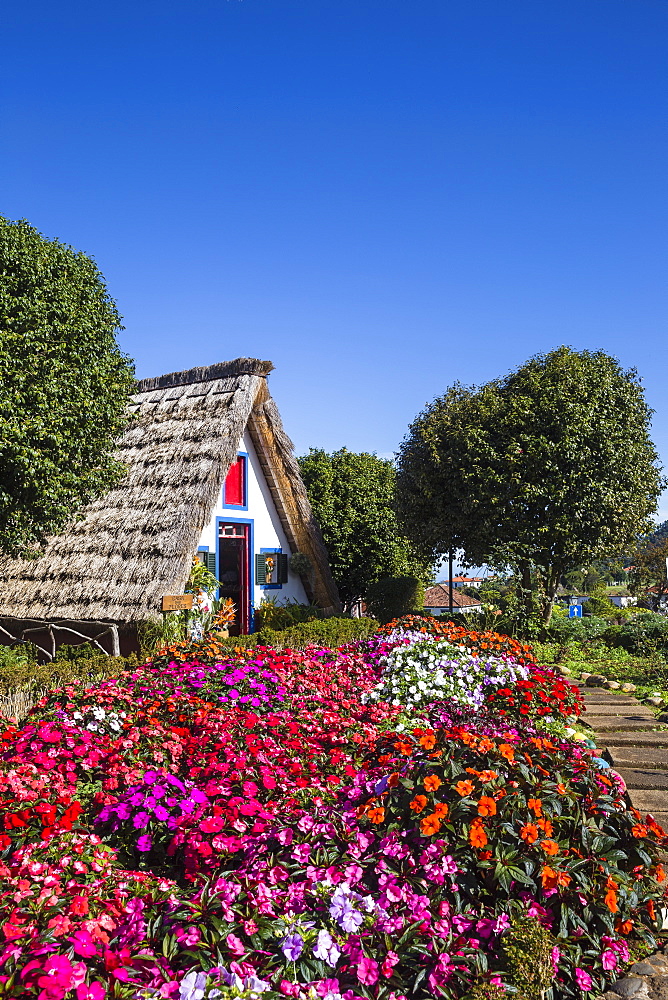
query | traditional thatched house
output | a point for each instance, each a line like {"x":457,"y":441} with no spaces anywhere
{"x":210,"y":470}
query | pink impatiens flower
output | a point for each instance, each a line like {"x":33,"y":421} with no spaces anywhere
{"x":367,"y":971}
{"x":583,"y":980}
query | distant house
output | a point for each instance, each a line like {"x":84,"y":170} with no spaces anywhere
{"x":210,"y":474}
{"x":466,"y":581}
{"x":437,"y":601}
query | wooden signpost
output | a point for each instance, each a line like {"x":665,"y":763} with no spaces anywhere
{"x":177,"y":602}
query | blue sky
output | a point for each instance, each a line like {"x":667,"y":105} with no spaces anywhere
{"x":381,"y":196}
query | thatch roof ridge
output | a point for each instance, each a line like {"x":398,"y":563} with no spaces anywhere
{"x":224,"y":369}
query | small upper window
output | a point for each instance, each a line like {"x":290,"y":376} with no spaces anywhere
{"x":234,"y":491}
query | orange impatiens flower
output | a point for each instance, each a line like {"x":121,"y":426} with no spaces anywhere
{"x":545,"y":826}
{"x":486,"y":776}
{"x":405,"y":748}
{"x":660,"y":874}
{"x":428,"y":741}
{"x":465,"y":787}
{"x":441,"y":810}
{"x":550,"y":846}
{"x":486,"y":806}
{"x":561,"y":788}
{"x":624,"y":926}
{"x":611,"y":900}
{"x":552,"y":878}
{"x":376,"y":815}
{"x":639,"y":830}
{"x":529,"y":833}
{"x":536,"y":806}
{"x":477,"y":835}
{"x":507,"y":750}
{"x":432,"y":782}
{"x":430,"y":825}
{"x":418,"y":803}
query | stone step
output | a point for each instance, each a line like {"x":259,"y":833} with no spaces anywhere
{"x":650,"y":801}
{"x":641,"y":740}
{"x":643,"y":757}
{"x":645,"y":778}
{"x":634,"y":710}
{"x":622,"y":723}
{"x":610,"y":699}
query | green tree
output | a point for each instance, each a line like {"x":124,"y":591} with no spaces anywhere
{"x":352,"y":496}
{"x":542,"y":471}
{"x":649,"y":576}
{"x":64,"y":386}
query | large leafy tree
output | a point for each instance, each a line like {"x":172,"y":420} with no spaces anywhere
{"x":64,"y":386}
{"x":544,"y":470}
{"x":352,"y":496}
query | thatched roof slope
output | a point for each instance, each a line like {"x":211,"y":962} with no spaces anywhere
{"x":137,"y":542}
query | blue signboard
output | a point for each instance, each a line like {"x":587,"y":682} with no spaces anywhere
{"x":575,"y":611}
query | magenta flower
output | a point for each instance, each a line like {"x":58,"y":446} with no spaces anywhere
{"x":583,"y":980}
{"x":83,"y":943}
{"x":367,"y":971}
{"x":144,"y":843}
{"x":141,"y":820}
{"x":90,"y":991}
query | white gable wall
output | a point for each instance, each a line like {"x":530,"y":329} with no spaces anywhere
{"x":267,"y":530}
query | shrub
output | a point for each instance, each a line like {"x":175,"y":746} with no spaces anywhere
{"x":392,"y":597}
{"x":326,"y":632}
{"x":278,"y":616}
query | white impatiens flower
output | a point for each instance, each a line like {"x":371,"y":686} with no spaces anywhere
{"x":425,"y":669}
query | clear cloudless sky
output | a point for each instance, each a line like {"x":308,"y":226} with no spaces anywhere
{"x":382,"y":197}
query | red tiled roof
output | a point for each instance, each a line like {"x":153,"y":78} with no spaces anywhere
{"x":439,"y":597}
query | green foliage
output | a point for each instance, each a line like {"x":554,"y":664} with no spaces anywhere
{"x":279,"y":615}
{"x":64,"y":386}
{"x":544,"y":470}
{"x":352,"y":496}
{"x":649,"y":576}
{"x":325,"y":632}
{"x":392,"y":597}
{"x":201,"y":579}
{"x":528,"y":949}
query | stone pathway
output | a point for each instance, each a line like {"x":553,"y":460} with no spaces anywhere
{"x":637,"y":745}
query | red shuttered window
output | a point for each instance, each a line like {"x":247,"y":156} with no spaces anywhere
{"x":234,"y":491}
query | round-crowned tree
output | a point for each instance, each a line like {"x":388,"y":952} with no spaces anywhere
{"x":64,"y":386}
{"x":352,"y":495}
{"x":544,"y":470}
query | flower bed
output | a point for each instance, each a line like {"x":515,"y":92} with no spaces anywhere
{"x":269,"y":826}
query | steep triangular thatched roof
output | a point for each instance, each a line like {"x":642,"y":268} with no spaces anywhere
{"x":136,"y":543}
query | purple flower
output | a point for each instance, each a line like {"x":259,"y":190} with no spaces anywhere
{"x":150,"y":777}
{"x":160,"y":813}
{"x":292,"y":947}
{"x":140,"y":820}
{"x":144,"y":842}
{"x":123,"y":810}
